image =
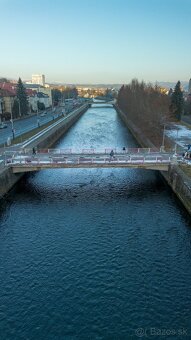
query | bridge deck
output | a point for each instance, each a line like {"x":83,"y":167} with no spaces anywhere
{"x":26,"y":161}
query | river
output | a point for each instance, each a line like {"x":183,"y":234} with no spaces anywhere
{"x":94,"y":253}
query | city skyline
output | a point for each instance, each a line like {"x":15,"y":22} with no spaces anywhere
{"x":102,"y":42}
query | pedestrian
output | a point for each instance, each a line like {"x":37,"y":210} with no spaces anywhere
{"x":111,"y":154}
{"x":33,"y":151}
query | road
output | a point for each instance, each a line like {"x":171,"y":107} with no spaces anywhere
{"x":26,"y":124}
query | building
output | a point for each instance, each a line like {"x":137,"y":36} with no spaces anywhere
{"x":47,"y":91}
{"x":32,"y":100}
{"x":189,"y":86}
{"x":7,"y":100}
{"x":1,"y":108}
{"x":38,"y":88}
{"x":38,"y":79}
{"x":90,"y":92}
{"x":43,"y":98}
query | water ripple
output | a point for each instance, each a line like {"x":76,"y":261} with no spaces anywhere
{"x":93,"y":253}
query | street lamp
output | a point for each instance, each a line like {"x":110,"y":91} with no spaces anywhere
{"x":37,"y":116}
{"x":19,"y":107}
{"x":163,"y":137}
{"x":175,"y":148}
{"x":12,"y":124}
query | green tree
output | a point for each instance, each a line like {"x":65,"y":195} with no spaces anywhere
{"x":22,"y":97}
{"x":41,"y":106}
{"x":187,"y":107}
{"x":69,"y":92}
{"x":108,"y":94}
{"x":15,"y":109}
{"x":56,"y":96}
{"x":177,"y":101}
{"x":4,"y":80}
{"x":74,"y":92}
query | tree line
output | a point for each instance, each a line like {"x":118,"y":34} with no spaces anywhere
{"x":63,"y":93}
{"x":146,"y":107}
{"x":149,"y":108}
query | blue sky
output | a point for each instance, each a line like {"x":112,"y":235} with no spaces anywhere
{"x":96,"y":41}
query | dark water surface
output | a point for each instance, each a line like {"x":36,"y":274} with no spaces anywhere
{"x":94,"y":253}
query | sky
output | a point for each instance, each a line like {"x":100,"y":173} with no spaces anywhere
{"x":96,"y":41}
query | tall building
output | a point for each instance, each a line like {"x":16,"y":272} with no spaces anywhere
{"x":189,"y":86}
{"x":38,"y":79}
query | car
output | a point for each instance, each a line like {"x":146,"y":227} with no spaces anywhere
{"x":42,"y":114}
{"x":3,"y":126}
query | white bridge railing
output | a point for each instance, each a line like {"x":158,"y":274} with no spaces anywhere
{"x":77,"y":160}
{"x":48,"y":157}
{"x":91,"y":151}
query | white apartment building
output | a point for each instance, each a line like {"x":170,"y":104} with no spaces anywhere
{"x":39,"y":88}
{"x":38,"y":79}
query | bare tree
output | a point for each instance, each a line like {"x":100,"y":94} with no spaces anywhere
{"x":147,"y":107}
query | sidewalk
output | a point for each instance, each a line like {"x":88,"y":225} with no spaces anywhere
{"x":187,"y":120}
{"x":180,"y":133}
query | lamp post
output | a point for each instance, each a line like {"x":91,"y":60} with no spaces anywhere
{"x":37,"y":116}
{"x":19,"y":107}
{"x":163,"y":137}
{"x":12,"y":124}
{"x":175,"y":148}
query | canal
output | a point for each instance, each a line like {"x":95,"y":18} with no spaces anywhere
{"x":94,"y":253}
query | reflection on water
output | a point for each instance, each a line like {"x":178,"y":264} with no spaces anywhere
{"x":93,"y":253}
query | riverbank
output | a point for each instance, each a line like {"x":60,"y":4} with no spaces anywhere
{"x":176,"y":177}
{"x":42,"y":140}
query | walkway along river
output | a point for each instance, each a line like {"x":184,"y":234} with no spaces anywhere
{"x":94,"y":253}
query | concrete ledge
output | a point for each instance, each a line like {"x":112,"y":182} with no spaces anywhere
{"x":29,"y":168}
{"x":7,"y":180}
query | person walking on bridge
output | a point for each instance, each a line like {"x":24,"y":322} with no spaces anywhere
{"x":111,"y":154}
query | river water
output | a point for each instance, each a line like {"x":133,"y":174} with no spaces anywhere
{"x":94,"y":253}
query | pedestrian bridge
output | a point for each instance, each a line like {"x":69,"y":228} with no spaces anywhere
{"x":102,"y":104}
{"x":152,"y":159}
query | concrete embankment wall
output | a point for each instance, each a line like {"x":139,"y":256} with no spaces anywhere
{"x":8,"y":179}
{"x":175,"y":177}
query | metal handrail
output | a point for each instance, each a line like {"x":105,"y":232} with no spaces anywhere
{"x":92,"y":151}
{"x":31,"y":161}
